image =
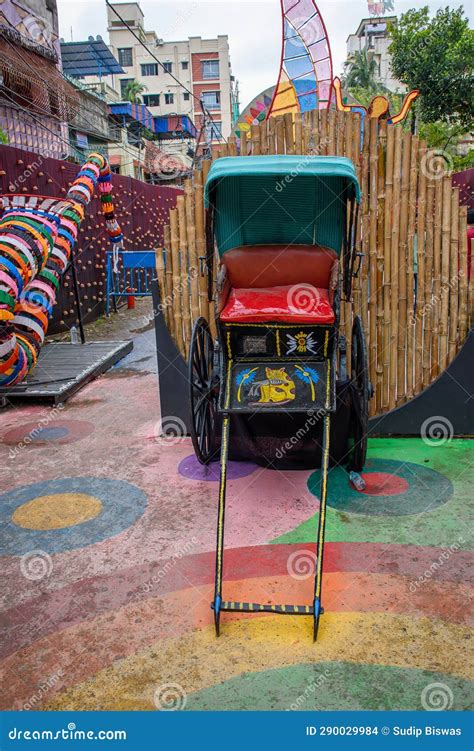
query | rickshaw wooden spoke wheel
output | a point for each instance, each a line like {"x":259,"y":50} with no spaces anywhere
{"x":360,"y":395}
{"x":203,"y":393}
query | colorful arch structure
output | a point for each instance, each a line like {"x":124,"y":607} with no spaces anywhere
{"x":37,"y":234}
{"x":305,"y":78}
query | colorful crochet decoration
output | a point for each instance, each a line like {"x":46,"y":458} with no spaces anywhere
{"x":36,"y":238}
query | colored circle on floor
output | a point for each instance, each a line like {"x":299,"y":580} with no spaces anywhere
{"x":384,"y":484}
{"x":393,"y":488}
{"x":336,"y":686}
{"x":43,"y":432}
{"x":192,"y":469}
{"x":57,"y":511}
{"x":66,"y":514}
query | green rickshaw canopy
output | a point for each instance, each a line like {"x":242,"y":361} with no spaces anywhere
{"x":289,"y":199}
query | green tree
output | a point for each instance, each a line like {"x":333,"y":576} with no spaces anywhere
{"x":436,"y":56}
{"x":133,"y":91}
{"x":361,"y":71}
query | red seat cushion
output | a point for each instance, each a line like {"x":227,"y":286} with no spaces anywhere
{"x":299,"y":303}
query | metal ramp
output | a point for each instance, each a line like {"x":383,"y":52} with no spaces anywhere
{"x":63,"y":369}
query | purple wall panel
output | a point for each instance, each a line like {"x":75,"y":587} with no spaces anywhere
{"x":141,"y":209}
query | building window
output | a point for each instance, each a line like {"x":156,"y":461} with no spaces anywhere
{"x":210,"y":69}
{"x":186,"y":96}
{"x":123,"y":85}
{"x":169,"y":98}
{"x":125,"y":56}
{"x":149,"y":69}
{"x":151,"y":100}
{"x":168,"y":67}
{"x":214,"y":131}
{"x":184,"y":65}
{"x":211,"y":99}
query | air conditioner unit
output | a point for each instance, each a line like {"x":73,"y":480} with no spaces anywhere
{"x":159,"y":43}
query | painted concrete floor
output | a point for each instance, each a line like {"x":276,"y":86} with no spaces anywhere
{"x":107,"y":537}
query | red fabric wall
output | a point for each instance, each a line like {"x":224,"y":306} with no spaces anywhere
{"x":141,"y":209}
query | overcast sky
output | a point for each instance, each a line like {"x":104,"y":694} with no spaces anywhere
{"x":253,"y":27}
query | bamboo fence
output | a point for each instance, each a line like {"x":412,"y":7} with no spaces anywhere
{"x":412,"y":291}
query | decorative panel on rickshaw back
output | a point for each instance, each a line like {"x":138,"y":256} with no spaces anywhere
{"x":275,"y":386}
{"x":274,"y":340}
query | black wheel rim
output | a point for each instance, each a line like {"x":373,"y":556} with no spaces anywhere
{"x":359,"y":396}
{"x":203,"y":394}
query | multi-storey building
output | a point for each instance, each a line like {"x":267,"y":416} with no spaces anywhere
{"x":372,"y":35}
{"x":202,"y":66}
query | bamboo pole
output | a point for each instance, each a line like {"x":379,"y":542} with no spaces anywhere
{"x":421,"y":243}
{"x":255,"y":140}
{"x":365,"y":237}
{"x":315,"y":141}
{"x":243,"y":143}
{"x":454,"y":276}
{"x":394,"y":265}
{"x":271,"y":135}
{"x":331,"y":150}
{"x":280,"y":134}
{"x":184,"y":276}
{"x":348,"y":134}
{"x":381,"y":155}
{"x":168,"y":301}
{"x":232,"y":145}
{"x":298,"y":133}
{"x":428,"y":301}
{"x":387,"y":270}
{"x":463,"y":279}
{"x":445,"y":265}
{"x":373,"y":179}
{"x":438,"y":213}
{"x":323,"y":132}
{"x":199,"y":221}
{"x":161,"y":278}
{"x":340,"y":127}
{"x":289,"y":133}
{"x":357,"y":295}
{"x":177,"y":298}
{"x":193,"y":267}
{"x":410,"y":277}
{"x":263,"y":137}
{"x":402,"y":269}
{"x":205,"y":166}
{"x":307,"y":131}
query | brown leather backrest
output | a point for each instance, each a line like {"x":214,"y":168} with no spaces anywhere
{"x":274,"y":265}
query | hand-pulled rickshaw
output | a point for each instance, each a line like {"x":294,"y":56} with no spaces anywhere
{"x":273,"y":387}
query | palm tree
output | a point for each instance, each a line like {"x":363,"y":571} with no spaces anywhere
{"x":361,"y":71}
{"x":133,"y":91}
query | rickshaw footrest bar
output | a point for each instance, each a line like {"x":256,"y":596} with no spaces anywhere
{"x":256,"y":607}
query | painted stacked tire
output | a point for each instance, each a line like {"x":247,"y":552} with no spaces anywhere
{"x":36,"y":239}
